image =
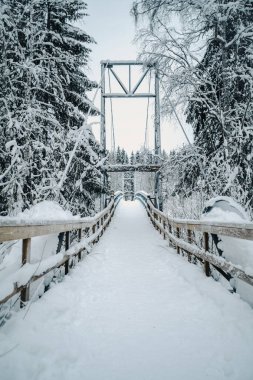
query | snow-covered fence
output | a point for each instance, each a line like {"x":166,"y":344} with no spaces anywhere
{"x":142,"y":196}
{"x":118,"y":195}
{"x":180,"y":232}
{"x":92,"y":227}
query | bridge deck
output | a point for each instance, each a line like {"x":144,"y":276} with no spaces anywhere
{"x":120,"y":168}
{"x":132,"y":310}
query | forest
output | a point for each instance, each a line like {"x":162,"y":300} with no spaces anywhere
{"x":206,"y":71}
{"x":204,"y":55}
{"x":134,"y":262}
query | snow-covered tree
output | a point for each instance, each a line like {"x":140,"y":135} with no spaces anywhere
{"x":137,"y":157}
{"x":118,"y":155}
{"x":43,"y":104}
{"x":221,"y":110}
{"x":204,"y":54}
{"x":132,"y":158}
{"x":124,"y":156}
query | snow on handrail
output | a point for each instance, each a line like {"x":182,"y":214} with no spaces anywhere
{"x":173,"y":230}
{"x":118,"y":195}
{"x":142,"y":197}
{"x":239,"y":230}
{"x":93,"y":226}
{"x":13,"y":230}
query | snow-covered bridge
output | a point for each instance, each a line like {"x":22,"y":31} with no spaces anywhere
{"x":133,"y":309}
{"x":78,"y":301}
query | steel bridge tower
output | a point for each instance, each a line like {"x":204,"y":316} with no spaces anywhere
{"x":131,"y":92}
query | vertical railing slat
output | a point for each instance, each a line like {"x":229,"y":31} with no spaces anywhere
{"x":178,"y":236}
{"x":79,"y":239}
{"x":67,"y":245}
{"x":206,"y":248}
{"x":26,"y":256}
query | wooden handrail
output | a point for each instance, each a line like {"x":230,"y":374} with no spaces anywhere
{"x":10,"y":230}
{"x":172,"y":228}
{"x":238,"y":230}
{"x":27,"y":230}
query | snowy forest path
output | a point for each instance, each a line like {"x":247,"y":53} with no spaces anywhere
{"x":132,"y":310}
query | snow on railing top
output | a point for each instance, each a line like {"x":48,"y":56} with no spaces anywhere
{"x":12,"y":229}
{"x":132,"y":168}
{"x":20,"y":280}
{"x":240,"y":230}
{"x":176,"y":230}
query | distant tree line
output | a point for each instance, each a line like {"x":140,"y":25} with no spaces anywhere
{"x":142,"y":156}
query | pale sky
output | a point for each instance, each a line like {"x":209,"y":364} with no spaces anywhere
{"x":111,"y":25}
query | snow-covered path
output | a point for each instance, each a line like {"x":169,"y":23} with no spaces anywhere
{"x":132,"y":310}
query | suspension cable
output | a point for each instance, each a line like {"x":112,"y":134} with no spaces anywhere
{"x":146,"y":142}
{"x":112,"y":118}
{"x":190,"y":144}
{"x":179,"y":122}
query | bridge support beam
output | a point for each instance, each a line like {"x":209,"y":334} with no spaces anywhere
{"x":103,"y":136}
{"x":158,"y":184}
{"x":157,"y":116}
{"x":131,"y":168}
{"x":158,"y":191}
{"x":102,"y":115}
{"x":131,"y":92}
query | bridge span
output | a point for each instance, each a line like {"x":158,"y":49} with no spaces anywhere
{"x":133,"y":309}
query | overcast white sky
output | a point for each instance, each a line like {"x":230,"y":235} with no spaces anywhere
{"x":111,"y":25}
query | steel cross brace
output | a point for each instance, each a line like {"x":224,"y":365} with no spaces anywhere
{"x":131,"y":92}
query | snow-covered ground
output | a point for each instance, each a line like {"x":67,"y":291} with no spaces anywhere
{"x":132,"y":310}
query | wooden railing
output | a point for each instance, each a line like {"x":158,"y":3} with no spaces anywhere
{"x":180,"y":232}
{"x":85,"y":232}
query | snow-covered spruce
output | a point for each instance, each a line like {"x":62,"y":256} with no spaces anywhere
{"x":43,"y":103}
{"x":204,"y":54}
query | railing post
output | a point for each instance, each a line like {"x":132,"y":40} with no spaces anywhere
{"x":170,"y":231}
{"x":156,"y":219}
{"x":178,"y":236}
{"x":87,"y":232}
{"x":102,"y":224}
{"x":206,"y":247}
{"x":94,"y":230}
{"x":98,"y":225}
{"x":67,"y":245}
{"x":189,"y":239}
{"x":164,"y":227}
{"x":26,"y":255}
{"x":79,"y":239}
